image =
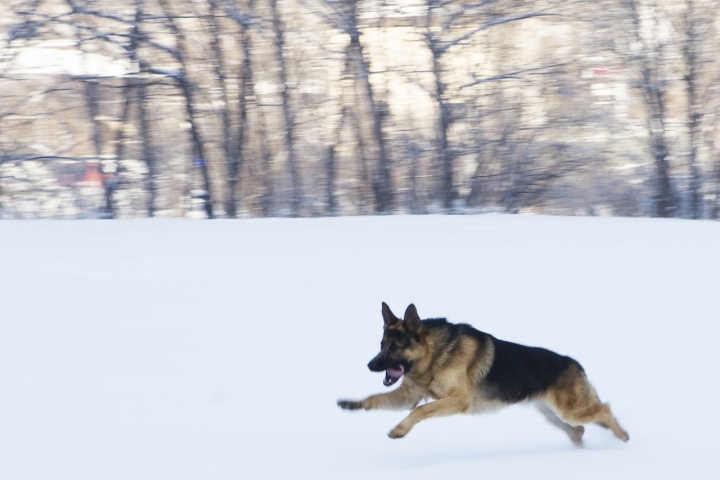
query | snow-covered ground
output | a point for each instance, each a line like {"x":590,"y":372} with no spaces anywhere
{"x":175,"y":349}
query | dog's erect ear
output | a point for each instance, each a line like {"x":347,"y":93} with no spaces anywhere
{"x":412,"y":319}
{"x":388,"y":316}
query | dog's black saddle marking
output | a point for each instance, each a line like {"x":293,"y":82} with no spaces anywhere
{"x":519,"y":372}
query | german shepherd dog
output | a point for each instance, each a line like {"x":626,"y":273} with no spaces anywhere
{"x":467,"y":371}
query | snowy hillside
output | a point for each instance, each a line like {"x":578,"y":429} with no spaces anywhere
{"x":216,"y":350}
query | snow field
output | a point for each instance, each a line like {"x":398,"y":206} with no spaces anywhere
{"x":174,"y":349}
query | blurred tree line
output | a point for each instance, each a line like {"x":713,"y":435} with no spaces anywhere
{"x":238,"y":108}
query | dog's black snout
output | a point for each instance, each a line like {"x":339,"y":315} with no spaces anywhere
{"x":377,"y":364}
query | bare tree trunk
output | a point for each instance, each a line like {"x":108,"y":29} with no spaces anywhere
{"x":663,"y":200}
{"x":363,"y":104}
{"x":148,"y":151}
{"x":90,"y":87}
{"x":198,"y":144}
{"x":228,"y":144}
{"x":694,"y":109}
{"x":716,"y":204}
{"x":286,"y":109}
{"x":351,"y":115}
{"x":141,"y":98}
{"x":265,"y":161}
{"x":92,"y":102}
{"x":245,"y":90}
{"x":330,"y":167}
{"x":246,"y":101}
{"x":116,"y":179}
{"x":447,"y":188}
{"x":380,"y":180}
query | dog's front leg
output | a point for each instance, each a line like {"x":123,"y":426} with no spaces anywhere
{"x":445,"y":406}
{"x":402,"y":398}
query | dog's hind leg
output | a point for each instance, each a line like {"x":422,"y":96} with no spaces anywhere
{"x":598,"y":413}
{"x":606,"y":419}
{"x":576,"y":402}
{"x":574,"y":432}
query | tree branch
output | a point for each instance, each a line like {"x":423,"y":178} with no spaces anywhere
{"x":444,"y":46}
{"x":513,"y":74}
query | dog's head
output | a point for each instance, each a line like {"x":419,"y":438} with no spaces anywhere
{"x":400,"y":344}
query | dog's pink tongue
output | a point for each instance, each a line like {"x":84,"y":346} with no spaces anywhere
{"x":396,"y":372}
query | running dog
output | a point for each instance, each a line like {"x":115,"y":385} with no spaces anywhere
{"x":465,"y":370}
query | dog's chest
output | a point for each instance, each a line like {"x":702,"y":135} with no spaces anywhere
{"x":440,"y":388}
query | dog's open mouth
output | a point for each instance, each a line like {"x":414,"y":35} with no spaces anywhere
{"x":393,"y":374}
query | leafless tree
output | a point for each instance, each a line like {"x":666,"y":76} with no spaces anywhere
{"x":647,"y":55}
{"x":361,"y":103}
{"x":446,"y":28}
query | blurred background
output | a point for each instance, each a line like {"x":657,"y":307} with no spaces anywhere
{"x":247,"y":108}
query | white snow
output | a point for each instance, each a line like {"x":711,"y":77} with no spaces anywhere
{"x":174,"y":349}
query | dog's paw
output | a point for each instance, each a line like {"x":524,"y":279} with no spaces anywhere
{"x":576,"y":435}
{"x":398,"y":432}
{"x":349,"y":405}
